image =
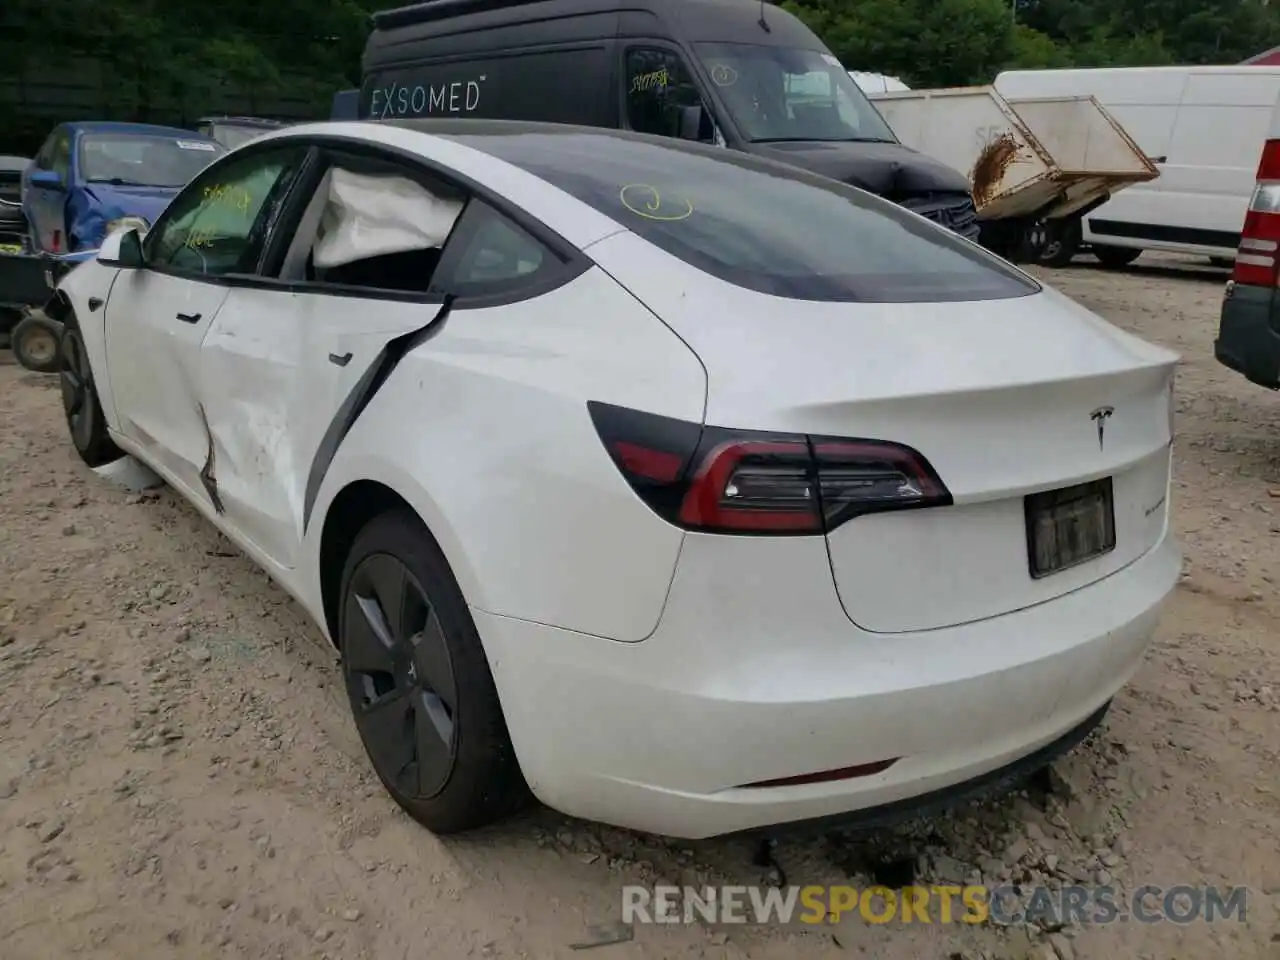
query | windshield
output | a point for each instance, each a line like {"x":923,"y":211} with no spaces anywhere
{"x":765,"y":226}
{"x":144,"y":160}
{"x":778,"y":93}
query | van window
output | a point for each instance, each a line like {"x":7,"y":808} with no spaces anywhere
{"x":779,"y":93}
{"x":658,"y":85}
{"x":760,"y":225}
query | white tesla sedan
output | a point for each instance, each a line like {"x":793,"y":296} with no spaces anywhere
{"x":696,"y":492}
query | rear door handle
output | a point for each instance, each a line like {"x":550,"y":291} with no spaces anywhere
{"x":189,"y":317}
{"x":341,"y":359}
{"x":95,"y":303}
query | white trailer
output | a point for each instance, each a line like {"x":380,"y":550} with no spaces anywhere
{"x":1208,"y":124}
{"x":1036,"y":165}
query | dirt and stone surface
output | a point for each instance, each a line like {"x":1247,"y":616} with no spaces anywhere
{"x":179,"y":776}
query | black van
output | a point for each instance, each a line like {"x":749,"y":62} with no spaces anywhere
{"x":741,"y":73}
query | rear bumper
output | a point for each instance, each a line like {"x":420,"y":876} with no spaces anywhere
{"x":1248,"y":339}
{"x":736,"y":687}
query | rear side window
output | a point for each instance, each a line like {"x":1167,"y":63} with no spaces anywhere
{"x":490,"y":256}
{"x":770,"y":228}
{"x":557,"y":86}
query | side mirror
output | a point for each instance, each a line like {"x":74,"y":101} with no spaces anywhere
{"x":123,"y":249}
{"x":47,"y":180}
{"x":696,"y":124}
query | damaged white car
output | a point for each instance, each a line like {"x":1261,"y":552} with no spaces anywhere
{"x":694,"y":492}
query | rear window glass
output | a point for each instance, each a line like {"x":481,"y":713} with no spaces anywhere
{"x":774,"y":229}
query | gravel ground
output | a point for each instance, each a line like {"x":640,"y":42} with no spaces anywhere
{"x":179,"y":776}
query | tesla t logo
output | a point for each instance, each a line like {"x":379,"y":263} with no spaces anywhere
{"x":1100,"y":417}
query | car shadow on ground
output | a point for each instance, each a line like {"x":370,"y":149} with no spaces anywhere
{"x":1193,"y":269}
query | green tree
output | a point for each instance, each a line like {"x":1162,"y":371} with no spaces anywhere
{"x":926,"y":42}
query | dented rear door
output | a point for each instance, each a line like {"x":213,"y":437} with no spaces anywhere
{"x":276,"y":368}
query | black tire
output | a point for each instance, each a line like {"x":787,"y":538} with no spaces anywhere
{"x":80,"y":403}
{"x":419,"y":685}
{"x":1029,"y":243}
{"x":1062,"y":245}
{"x":1115,"y":257}
{"x":34,"y":341}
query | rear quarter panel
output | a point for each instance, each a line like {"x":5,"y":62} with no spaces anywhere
{"x":484,"y":430}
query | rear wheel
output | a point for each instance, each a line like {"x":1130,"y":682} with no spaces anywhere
{"x":1116,"y":257}
{"x":80,"y":403}
{"x":419,"y":685}
{"x":1062,"y":243}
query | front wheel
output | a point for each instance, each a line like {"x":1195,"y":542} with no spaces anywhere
{"x":1115,"y":257}
{"x":80,"y":402}
{"x":34,"y":342}
{"x":420,"y":689}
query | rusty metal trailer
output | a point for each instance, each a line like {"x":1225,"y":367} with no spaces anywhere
{"x":1036,"y":165}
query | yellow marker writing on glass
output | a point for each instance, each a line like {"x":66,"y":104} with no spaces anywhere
{"x":723,"y":76}
{"x":645,"y":201}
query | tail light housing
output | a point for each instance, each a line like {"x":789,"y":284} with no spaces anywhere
{"x":718,"y":480}
{"x":1256,"y":258}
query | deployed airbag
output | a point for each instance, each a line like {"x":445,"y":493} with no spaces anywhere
{"x":370,"y":216}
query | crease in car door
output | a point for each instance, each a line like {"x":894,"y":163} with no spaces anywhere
{"x":206,"y":243}
{"x":282,"y":363}
{"x":276,"y":368}
{"x":155,"y":324}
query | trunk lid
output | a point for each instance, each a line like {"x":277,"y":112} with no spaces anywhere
{"x":998,"y":396}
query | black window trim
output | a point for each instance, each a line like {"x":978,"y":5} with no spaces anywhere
{"x":280,"y":234}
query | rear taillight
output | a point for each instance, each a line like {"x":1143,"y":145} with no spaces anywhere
{"x":718,"y":480}
{"x":1256,"y":259}
{"x":57,"y":241}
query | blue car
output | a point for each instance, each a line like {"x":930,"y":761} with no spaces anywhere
{"x":88,"y":176}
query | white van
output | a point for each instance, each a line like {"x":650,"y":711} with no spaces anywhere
{"x":1205,"y":127}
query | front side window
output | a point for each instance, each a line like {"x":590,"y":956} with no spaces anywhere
{"x":218,"y":225}
{"x":44,"y":159}
{"x":658,"y":87}
{"x":140,"y":160}
{"x":779,"y":93}
{"x":60,"y":153}
{"x":763,"y":226}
